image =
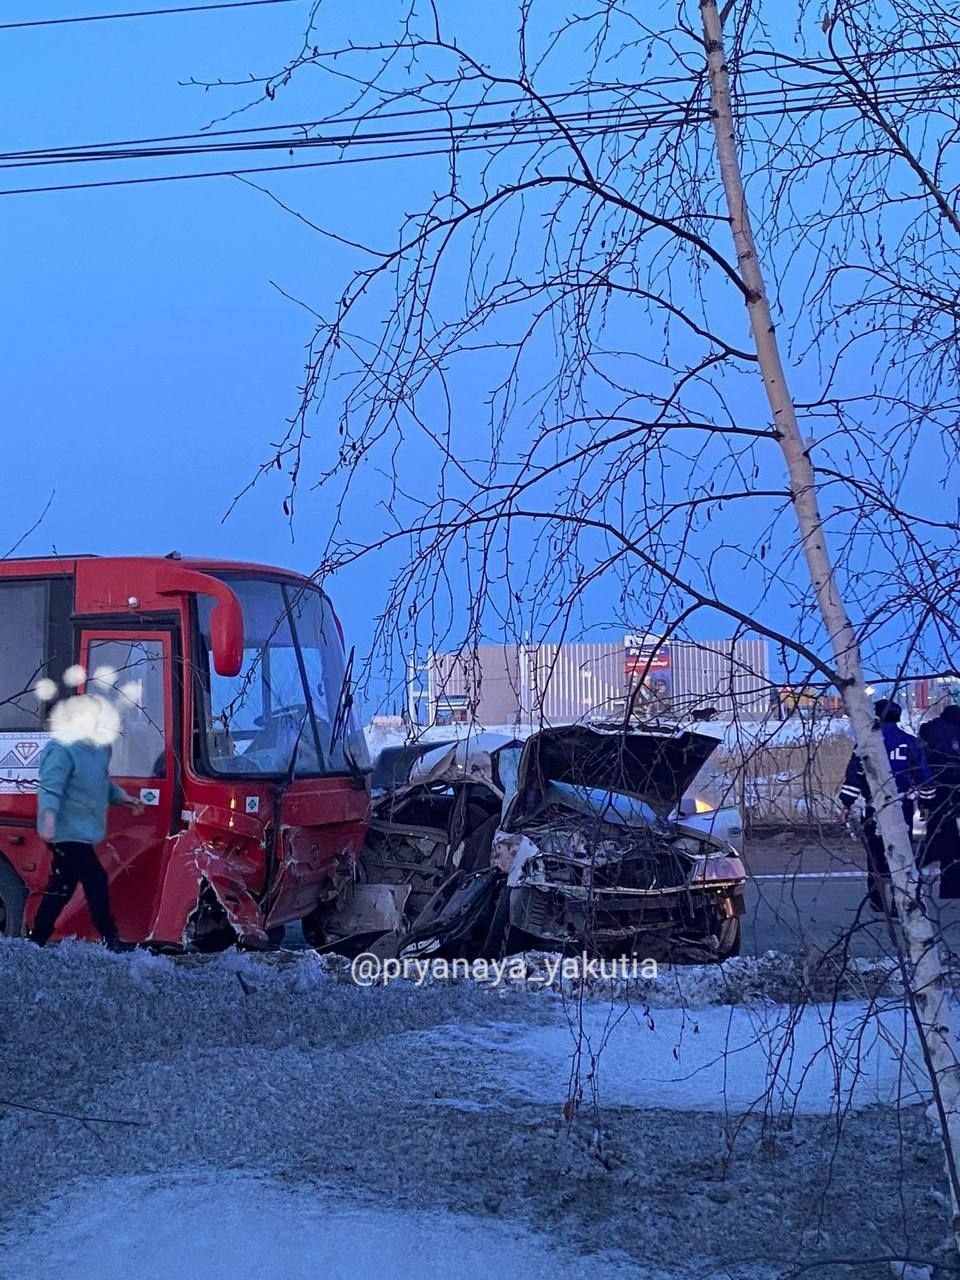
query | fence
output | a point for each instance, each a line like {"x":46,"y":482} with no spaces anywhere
{"x":782,"y":784}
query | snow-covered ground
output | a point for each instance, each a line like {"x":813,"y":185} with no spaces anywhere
{"x":142,"y":1228}
{"x":728,"y":1060}
{"x":260,"y":1115}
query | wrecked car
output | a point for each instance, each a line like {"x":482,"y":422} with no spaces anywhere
{"x":572,"y":840}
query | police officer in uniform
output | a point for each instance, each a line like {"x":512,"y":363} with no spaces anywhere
{"x":911,"y":773}
{"x":941,"y":737}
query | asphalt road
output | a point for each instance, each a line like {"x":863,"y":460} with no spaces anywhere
{"x":808,"y":895}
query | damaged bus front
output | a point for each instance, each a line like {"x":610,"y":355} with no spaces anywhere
{"x":239,"y":739}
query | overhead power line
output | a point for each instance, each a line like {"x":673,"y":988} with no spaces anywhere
{"x":493,"y":134}
{"x":105,"y":150}
{"x":469,"y":135}
{"x":494,"y":131}
{"x":420,"y":152}
{"x":141,"y":13}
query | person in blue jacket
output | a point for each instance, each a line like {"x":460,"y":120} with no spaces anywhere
{"x":911,"y":773}
{"x":75,"y":792}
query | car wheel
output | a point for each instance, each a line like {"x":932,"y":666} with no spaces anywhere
{"x":13,"y":901}
{"x":729,"y":939}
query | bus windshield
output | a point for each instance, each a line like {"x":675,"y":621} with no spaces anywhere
{"x":288,"y":711}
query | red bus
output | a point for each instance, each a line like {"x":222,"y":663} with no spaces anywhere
{"x":241,"y":743}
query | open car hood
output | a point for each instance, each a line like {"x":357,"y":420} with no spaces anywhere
{"x":654,"y":765}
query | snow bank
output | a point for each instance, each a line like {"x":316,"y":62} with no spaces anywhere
{"x":701,"y":1037}
{"x":247,"y":1115}
{"x":60,"y":976}
{"x":748,"y":735}
{"x":380,"y":736}
{"x":742,"y":733}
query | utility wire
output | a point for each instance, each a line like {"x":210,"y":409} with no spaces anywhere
{"x":236,"y":173}
{"x":421,"y":151}
{"x":95,"y":150}
{"x":494,"y":133}
{"x":141,"y":13}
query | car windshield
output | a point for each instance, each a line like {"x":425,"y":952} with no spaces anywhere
{"x":288,"y":710}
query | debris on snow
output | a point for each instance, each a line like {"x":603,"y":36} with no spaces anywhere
{"x":910,"y":1271}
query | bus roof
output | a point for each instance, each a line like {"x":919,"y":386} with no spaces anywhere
{"x":203,"y":564}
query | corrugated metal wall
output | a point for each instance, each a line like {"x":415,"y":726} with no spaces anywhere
{"x":731,"y":676}
{"x":488,"y":677}
{"x":571,"y":681}
{"x":558,"y":684}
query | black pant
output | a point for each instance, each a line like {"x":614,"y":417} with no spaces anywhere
{"x":74,"y":864}
{"x":878,"y":870}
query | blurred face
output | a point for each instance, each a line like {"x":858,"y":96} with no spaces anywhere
{"x":89,"y":717}
{"x":85,"y":718}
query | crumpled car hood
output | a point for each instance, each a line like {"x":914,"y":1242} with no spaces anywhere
{"x":654,"y":766}
{"x":459,"y":760}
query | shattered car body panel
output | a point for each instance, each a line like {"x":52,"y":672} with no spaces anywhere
{"x":569,"y":840}
{"x":435,"y":816}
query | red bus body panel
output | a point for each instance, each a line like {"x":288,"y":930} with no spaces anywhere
{"x":268,"y":852}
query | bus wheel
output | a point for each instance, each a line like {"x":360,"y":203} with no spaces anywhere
{"x":13,"y":901}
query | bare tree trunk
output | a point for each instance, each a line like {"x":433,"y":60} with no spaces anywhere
{"x":923,"y":969}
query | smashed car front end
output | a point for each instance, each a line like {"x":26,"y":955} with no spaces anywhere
{"x":673,"y":894}
{"x":570,"y":840}
{"x":608,"y":865}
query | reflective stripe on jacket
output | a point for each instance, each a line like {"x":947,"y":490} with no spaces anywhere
{"x":908,"y":762}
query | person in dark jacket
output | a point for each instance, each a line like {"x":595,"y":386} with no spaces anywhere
{"x":911,"y":773}
{"x":75,"y":792}
{"x":941,"y":737}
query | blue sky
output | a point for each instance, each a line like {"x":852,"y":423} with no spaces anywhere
{"x":148,"y":360}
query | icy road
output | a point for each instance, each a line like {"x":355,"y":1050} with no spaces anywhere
{"x":258,"y":1115}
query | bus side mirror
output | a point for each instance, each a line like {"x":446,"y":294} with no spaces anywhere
{"x":226,"y":616}
{"x":226,"y":640}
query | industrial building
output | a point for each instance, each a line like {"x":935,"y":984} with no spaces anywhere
{"x":525,"y":685}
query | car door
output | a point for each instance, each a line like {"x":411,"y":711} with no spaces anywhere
{"x":134,"y":671}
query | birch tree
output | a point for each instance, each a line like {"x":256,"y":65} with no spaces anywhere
{"x":935,"y":1019}
{"x":544,"y":383}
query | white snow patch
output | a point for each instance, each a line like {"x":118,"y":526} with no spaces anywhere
{"x":147,"y":968}
{"x":729,"y":1060}
{"x":910,"y":1271}
{"x":232,"y":1224}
